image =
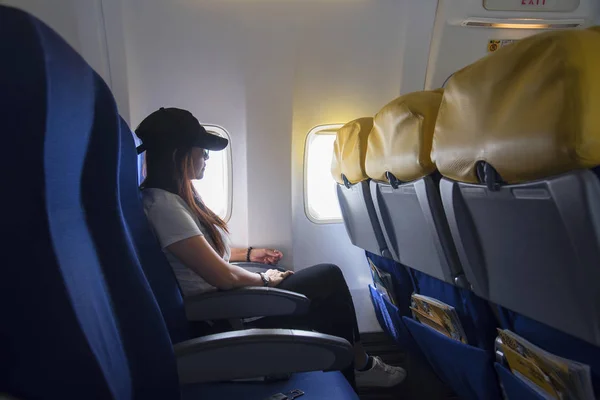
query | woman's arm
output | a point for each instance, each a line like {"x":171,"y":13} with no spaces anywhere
{"x":263,"y":256}
{"x":238,"y":254}
{"x":198,"y":255}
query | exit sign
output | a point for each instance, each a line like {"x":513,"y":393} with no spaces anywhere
{"x":531,"y":5}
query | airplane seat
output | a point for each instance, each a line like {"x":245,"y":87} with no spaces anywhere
{"x":60,"y":334}
{"x":362,"y":226}
{"x":408,"y":205}
{"x":354,"y":196}
{"x":161,"y":279}
{"x":156,"y":267}
{"x":79,"y":319}
{"x":404,"y":189}
{"x":224,"y":309}
{"x":517,"y":140}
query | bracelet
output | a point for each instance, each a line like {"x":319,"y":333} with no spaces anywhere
{"x":248,"y":253}
{"x":266,"y":280}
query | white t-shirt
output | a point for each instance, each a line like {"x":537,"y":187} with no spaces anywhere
{"x":173,"y":221}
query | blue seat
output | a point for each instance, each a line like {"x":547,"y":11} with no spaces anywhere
{"x":79,"y":317}
{"x":61,"y":336}
{"x":156,"y":266}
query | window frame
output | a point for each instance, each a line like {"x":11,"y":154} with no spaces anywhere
{"x":220,"y":131}
{"x":325,"y":129}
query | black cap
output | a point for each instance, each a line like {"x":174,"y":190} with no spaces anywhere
{"x":171,"y":128}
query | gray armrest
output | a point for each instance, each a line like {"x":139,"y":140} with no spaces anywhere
{"x":246,"y":302}
{"x":256,"y":267}
{"x":259,"y":352}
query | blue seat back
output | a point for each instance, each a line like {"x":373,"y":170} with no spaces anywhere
{"x":467,"y":368}
{"x":476,"y":316}
{"x":154,"y":263}
{"x":79,"y":319}
{"x":389,"y":315}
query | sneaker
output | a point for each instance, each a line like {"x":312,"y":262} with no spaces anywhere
{"x":380,"y":375}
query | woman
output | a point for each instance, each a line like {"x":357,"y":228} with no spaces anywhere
{"x":197,"y":244}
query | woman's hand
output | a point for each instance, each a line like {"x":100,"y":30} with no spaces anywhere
{"x":265,"y":256}
{"x":276,"y":277}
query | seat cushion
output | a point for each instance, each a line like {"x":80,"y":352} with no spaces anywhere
{"x":315,"y":385}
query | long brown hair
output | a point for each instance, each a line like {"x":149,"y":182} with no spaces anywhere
{"x":171,"y":172}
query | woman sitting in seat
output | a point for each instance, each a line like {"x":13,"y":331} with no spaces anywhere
{"x":197,"y":244}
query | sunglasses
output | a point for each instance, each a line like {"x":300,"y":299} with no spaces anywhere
{"x":205,"y":154}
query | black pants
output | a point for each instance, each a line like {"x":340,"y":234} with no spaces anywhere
{"x":331,"y":308}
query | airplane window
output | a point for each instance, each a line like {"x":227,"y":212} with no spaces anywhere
{"x":216,"y":186}
{"x":320,"y":198}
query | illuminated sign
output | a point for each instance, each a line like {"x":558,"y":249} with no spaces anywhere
{"x":531,"y":5}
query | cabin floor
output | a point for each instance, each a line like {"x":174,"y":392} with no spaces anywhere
{"x":421,"y":382}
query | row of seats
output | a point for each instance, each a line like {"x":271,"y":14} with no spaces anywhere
{"x":485,"y":194}
{"x":89,"y":305}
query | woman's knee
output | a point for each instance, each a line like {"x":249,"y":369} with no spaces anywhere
{"x":330,"y":273}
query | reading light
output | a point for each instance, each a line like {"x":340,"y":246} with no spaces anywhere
{"x":524,"y":23}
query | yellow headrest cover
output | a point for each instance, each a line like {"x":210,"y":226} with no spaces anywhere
{"x":531,"y":110}
{"x":349,"y":151}
{"x":402,"y":135}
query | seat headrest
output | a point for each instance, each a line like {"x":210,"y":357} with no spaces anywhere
{"x":349,"y":150}
{"x":400,"y":142}
{"x":531,"y":110}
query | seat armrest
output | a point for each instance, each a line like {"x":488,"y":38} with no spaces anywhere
{"x":245,"y":302}
{"x":256,"y":353}
{"x":257,"y":267}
